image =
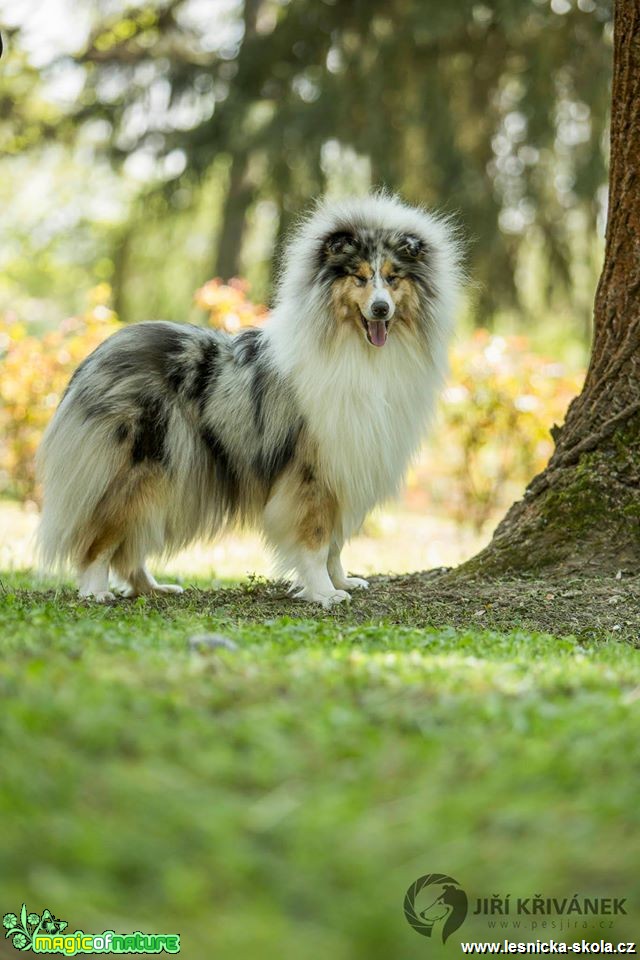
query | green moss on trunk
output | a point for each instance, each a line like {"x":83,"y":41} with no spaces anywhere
{"x":586,"y":520}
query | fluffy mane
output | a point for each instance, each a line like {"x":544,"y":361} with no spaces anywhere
{"x":377,"y":212}
{"x":367,"y":409}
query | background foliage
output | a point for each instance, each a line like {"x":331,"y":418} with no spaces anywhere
{"x":35,"y":372}
{"x":150,"y":146}
{"x":223,"y":119}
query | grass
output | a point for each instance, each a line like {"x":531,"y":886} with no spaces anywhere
{"x":277,"y":800}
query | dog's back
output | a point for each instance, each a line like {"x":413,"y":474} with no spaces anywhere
{"x":165,"y":433}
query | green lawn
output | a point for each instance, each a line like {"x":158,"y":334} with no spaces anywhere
{"x":276,"y":801}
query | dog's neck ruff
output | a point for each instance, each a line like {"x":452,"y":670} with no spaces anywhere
{"x":366,"y":410}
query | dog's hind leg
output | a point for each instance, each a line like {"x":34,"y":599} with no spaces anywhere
{"x":93,"y":569}
{"x":145,"y":536}
{"x":125,"y":528}
{"x":94,"y":579}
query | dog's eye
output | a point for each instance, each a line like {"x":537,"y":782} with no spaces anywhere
{"x":361,"y":281}
{"x":392,"y":279}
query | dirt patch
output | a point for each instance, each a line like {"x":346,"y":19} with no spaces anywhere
{"x":595,"y":608}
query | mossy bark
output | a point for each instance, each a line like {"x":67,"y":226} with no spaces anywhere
{"x":585,"y":521}
{"x":582,"y":514}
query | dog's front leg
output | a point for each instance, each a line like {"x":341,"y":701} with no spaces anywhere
{"x":298,"y":520}
{"x":317,"y":586}
{"x":337,"y":573}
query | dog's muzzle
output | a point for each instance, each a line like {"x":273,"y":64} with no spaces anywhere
{"x":377,"y":324}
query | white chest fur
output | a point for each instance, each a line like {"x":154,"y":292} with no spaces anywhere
{"x":367,"y":410}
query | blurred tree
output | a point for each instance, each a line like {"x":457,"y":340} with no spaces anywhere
{"x":582,"y":513}
{"x":26,"y":119}
{"x":492,"y":109}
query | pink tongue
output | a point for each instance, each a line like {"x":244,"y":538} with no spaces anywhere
{"x":377,"y":332}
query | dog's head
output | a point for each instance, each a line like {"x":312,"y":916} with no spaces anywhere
{"x":376,"y":279}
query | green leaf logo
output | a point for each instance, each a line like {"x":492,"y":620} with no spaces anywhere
{"x":21,"y":930}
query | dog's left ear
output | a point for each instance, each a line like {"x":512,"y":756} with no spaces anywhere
{"x":338,"y":243}
{"x":411,"y":246}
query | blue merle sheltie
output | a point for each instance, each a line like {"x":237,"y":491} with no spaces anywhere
{"x":170,"y":432}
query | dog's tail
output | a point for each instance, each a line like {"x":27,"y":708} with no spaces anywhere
{"x":77,"y":462}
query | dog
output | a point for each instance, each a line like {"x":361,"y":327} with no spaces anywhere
{"x":172,"y":432}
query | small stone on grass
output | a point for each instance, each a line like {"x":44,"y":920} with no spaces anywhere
{"x":200,"y":642}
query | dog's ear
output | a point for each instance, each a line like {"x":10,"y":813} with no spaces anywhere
{"x":339,"y":243}
{"x":411,"y":246}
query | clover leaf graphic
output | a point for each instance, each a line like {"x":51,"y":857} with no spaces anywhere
{"x":9,"y":920}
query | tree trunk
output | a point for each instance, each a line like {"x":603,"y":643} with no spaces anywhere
{"x":582,"y":513}
{"x":234,"y":216}
{"x":240,"y":190}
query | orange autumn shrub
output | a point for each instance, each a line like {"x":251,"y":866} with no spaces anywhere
{"x":33,"y":374}
{"x":492,"y":434}
{"x":228,"y":306}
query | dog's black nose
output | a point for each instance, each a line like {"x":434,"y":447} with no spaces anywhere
{"x":380,"y":309}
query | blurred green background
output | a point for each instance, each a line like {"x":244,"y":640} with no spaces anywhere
{"x":149,"y":148}
{"x":278,"y":800}
{"x":155,"y":145}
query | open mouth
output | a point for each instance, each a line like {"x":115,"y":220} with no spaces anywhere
{"x":376,"y":331}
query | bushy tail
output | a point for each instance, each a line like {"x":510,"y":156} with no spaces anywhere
{"x":76,"y":463}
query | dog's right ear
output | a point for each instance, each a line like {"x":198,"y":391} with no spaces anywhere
{"x":339,"y":243}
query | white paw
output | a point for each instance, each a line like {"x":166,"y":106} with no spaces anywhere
{"x":102,"y":596}
{"x":327,"y":600}
{"x":130,"y":592}
{"x":354,"y":583}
